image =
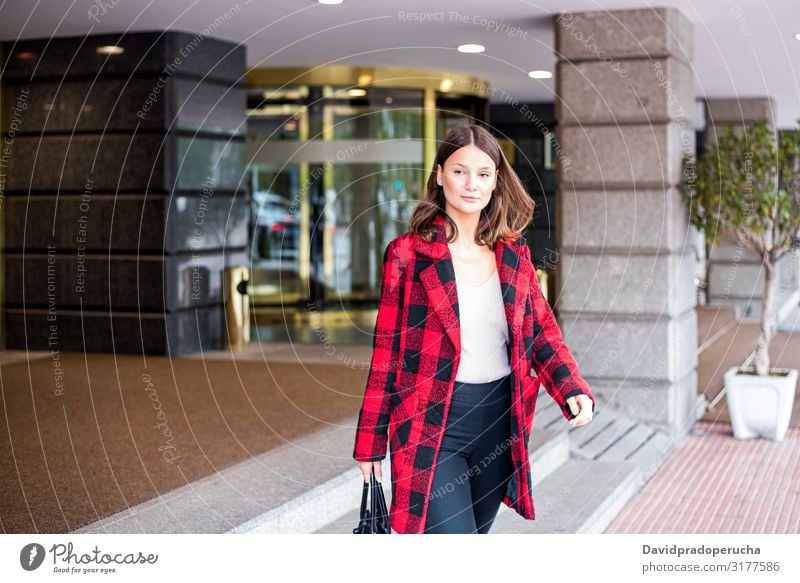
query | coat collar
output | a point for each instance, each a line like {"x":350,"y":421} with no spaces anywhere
{"x":438,"y":278}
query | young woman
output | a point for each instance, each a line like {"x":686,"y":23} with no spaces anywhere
{"x":461,"y":324}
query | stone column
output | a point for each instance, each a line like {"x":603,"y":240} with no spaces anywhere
{"x":124,"y":193}
{"x":735,"y":275}
{"x":625,"y":293}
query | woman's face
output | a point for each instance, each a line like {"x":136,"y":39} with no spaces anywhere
{"x":469,"y":176}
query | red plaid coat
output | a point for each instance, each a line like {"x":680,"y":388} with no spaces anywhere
{"x":416,"y":351}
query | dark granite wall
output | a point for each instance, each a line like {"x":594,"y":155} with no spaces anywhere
{"x":525,"y":125}
{"x":124,"y":191}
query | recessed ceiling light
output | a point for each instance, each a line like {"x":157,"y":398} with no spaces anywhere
{"x":446,"y":85}
{"x":471,"y":48}
{"x":330,"y":1}
{"x":110,"y":50}
{"x":540,"y":74}
{"x":797,"y":36}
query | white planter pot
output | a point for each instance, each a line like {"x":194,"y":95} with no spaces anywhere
{"x":760,"y":406}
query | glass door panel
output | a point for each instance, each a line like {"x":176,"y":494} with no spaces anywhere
{"x":275,"y":233}
{"x":367,"y":205}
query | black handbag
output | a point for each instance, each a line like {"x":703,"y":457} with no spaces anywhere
{"x":375,"y":519}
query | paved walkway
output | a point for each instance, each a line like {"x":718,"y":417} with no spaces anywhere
{"x":714,"y":484}
{"x":711,"y":484}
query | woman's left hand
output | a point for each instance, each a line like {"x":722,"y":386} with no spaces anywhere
{"x":581,"y":407}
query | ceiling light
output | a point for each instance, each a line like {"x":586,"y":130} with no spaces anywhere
{"x":446,"y":85}
{"x":540,"y":74}
{"x":356,"y":93}
{"x":471,"y":48}
{"x":797,"y":36}
{"x":110,"y":50}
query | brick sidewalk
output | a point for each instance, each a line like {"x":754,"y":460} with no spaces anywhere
{"x":714,"y":484}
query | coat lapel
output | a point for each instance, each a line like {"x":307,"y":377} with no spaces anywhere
{"x":438,"y":279}
{"x":515,"y":277}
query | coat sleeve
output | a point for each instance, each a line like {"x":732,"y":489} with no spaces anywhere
{"x":373,"y":418}
{"x":552,"y":360}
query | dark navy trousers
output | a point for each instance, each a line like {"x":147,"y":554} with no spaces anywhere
{"x":474,"y":463}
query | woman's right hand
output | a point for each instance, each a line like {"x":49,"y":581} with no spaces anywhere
{"x":368,"y":467}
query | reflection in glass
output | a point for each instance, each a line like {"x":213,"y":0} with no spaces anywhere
{"x":367,"y":207}
{"x":275,"y":231}
{"x":336,"y":171}
{"x":379,"y":115}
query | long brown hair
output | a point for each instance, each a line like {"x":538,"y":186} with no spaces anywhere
{"x":510,"y":208}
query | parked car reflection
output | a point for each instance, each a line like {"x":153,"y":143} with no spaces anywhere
{"x":276,"y":226}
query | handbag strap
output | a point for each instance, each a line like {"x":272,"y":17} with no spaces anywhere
{"x":373,"y":502}
{"x":364,"y":494}
{"x":364,"y":518}
{"x":380,"y":515}
{"x":376,"y":519}
{"x":383,"y":513}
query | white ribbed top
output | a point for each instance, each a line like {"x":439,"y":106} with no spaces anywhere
{"x":484,"y":331}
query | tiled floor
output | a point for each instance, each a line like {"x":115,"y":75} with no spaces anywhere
{"x":715,"y":484}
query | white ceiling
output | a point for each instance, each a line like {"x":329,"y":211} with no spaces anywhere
{"x":742,"y":48}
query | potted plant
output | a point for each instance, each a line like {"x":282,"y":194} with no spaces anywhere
{"x":747,"y":187}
